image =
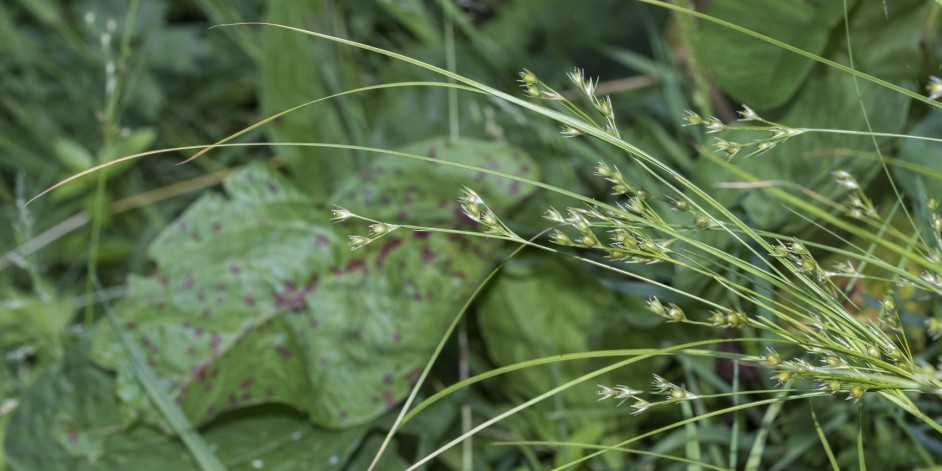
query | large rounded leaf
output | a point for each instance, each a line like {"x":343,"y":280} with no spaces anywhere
{"x":68,"y":422}
{"x":257,"y":299}
{"x":755,"y":72}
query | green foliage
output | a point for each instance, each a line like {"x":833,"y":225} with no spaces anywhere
{"x":755,"y":72}
{"x":287,"y":350}
{"x":68,"y":421}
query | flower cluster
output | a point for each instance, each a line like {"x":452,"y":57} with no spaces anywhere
{"x":729,"y":319}
{"x":858,"y":204}
{"x":801,"y":257}
{"x":587,"y":86}
{"x":660,"y":386}
{"x":478,"y":211}
{"x":624,"y":393}
{"x":934,"y":87}
{"x":671,"y":312}
{"x":535,"y":88}
{"x":375,"y":230}
{"x":777,"y":133}
{"x":674,"y":392}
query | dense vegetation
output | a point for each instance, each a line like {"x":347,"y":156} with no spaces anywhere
{"x":734,"y":235}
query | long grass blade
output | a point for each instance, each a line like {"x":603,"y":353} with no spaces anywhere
{"x":178,"y":421}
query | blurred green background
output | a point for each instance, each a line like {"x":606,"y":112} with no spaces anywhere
{"x":286,"y":351}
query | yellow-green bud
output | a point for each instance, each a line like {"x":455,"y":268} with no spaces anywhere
{"x":528,"y":77}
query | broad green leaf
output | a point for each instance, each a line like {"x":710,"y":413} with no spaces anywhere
{"x":65,"y":416}
{"x":68,"y":421}
{"x":281,"y":440}
{"x":543,"y":307}
{"x":257,"y":298}
{"x":916,"y":185}
{"x":397,"y":190}
{"x":808,"y":160}
{"x":757,"y":73}
{"x":829,"y":99}
{"x":922,"y":153}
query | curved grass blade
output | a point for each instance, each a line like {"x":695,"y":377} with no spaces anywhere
{"x":438,"y":349}
{"x":801,"y":52}
{"x":204,"y":458}
{"x":634,"y":451}
{"x":552,"y":392}
{"x":203,"y":149}
{"x":824,"y":440}
{"x":683,"y":422}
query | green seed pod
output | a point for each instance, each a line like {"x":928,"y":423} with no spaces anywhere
{"x":889,"y":304}
{"x":873,"y":351}
{"x":773,"y":358}
{"x":533,"y":91}
{"x":681,"y":205}
{"x":782,"y":377}
{"x":736,"y":319}
{"x":655,"y":306}
{"x":692,"y":118}
{"x":780,"y":251}
{"x":833,"y":361}
{"x":489,"y":219}
{"x":358,"y":241}
{"x":675,"y":314}
{"x":718,"y":318}
{"x":799,"y":248}
{"x":605,"y":108}
{"x":833,"y":386}
{"x":895,"y":354}
{"x":857,"y":391}
{"x":588,"y":239}
{"x":621,"y":189}
{"x":528,"y":77}
{"x":807,"y":264}
{"x":473,"y":210}
{"x":603,"y":170}
{"x":561,"y":238}
{"x":378,"y":229}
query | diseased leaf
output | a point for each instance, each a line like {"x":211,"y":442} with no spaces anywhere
{"x":68,"y":421}
{"x":65,"y":416}
{"x":397,"y":189}
{"x":257,"y":298}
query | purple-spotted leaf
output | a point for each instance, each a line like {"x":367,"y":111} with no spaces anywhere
{"x":67,"y":421}
{"x":257,"y":298}
{"x":401,"y":190}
